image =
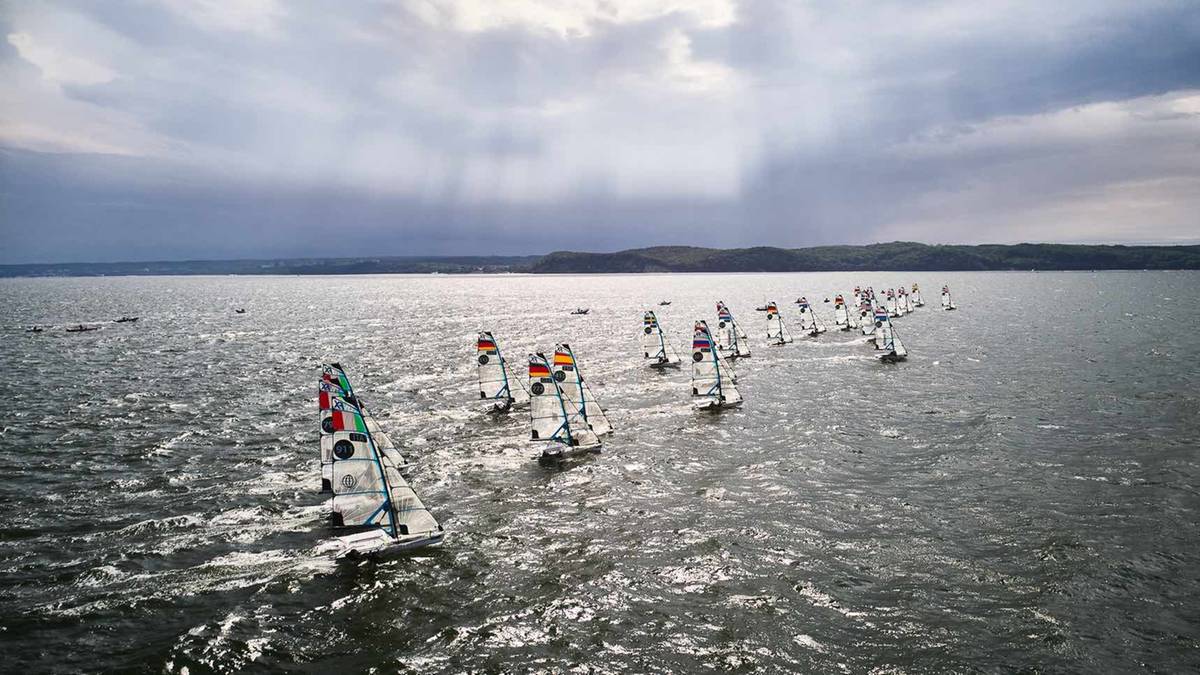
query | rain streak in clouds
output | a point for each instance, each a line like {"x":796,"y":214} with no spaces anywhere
{"x":185,"y":129}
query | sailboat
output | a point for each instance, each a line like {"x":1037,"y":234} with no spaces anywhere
{"x":566,"y":372}
{"x":777,"y":331}
{"x":713,"y":383}
{"x":654,"y":344}
{"x":916,"y":296}
{"x":883,"y":320}
{"x":369,"y":494}
{"x":733,"y":339}
{"x":893,"y":308}
{"x":865,"y":318}
{"x":841,"y":315}
{"x":808,"y":318}
{"x":553,"y":418}
{"x":495,"y":383}
{"x":947,"y":303}
{"x":334,"y":389}
{"x":892,"y":347}
{"x":906,"y":306}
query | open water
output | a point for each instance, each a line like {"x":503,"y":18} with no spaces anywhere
{"x":1021,"y":494}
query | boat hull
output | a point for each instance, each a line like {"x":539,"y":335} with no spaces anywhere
{"x":558,"y":455}
{"x":378,"y":541}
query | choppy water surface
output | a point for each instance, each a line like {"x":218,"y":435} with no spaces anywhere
{"x":1021,"y":494}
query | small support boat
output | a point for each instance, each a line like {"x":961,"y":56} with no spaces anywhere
{"x":664,"y":303}
{"x":126,"y":319}
{"x":239,"y":310}
{"x":581,"y":311}
{"x":35,"y":329}
{"x":82,"y":329}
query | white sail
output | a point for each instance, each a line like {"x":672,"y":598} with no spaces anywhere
{"x":335,"y":387}
{"x":496,"y":382}
{"x":866,"y":318}
{"x":893,"y":309}
{"x":566,"y":371}
{"x":841,"y":317}
{"x":655,"y":347}
{"x":883,"y":325}
{"x":713,"y":384}
{"x":807,"y":315}
{"x":370,"y":494}
{"x":777,"y":331}
{"x":892,"y":348}
{"x":916,"y":296}
{"x":947,"y":303}
{"x":733,"y":339}
{"x":552,"y":416}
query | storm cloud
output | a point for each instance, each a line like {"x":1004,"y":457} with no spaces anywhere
{"x":192,"y":129}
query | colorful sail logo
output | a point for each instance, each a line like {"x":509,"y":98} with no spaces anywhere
{"x":348,"y":420}
{"x":562,"y":358}
{"x":538,"y":369}
{"x":772,"y":309}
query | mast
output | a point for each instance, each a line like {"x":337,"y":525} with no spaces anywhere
{"x":344,"y":382}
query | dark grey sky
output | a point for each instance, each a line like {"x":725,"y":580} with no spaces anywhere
{"x":203,"y":128}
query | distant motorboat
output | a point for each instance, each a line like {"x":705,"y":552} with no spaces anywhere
{"x":82,"y":328}
{"x":581,"y":311}
{"x":664,"y":303}
{"x":126,"y":319}
{"x":239,"y":310}
{"x":35,"y":329}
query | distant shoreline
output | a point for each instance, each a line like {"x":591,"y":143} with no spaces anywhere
{"x":890,"y":257}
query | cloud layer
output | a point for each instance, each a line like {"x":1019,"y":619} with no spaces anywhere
{"x":188,"y":128}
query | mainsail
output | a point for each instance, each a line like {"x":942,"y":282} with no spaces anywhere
{"x":916,"y":296}
{"x":808,"y":318}
{"x":777,"y":331}
{"x":654,"y":343}
{"x":886,"y":339}
{"x":369,"y":494}
{"x":841,"y":314}
{"x":334,"y":387}
{"x":553,"y":417}
{"x":713,"y":383}
{"x":566,"y":371}
{"x":883,"y":324}
{"x":733,"y":339}
{"x":495,"y":383}
{"x":947,"y":303}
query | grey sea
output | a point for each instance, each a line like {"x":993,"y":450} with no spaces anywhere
{"x":1020,"y":495}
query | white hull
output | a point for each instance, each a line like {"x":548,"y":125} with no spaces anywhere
{"x":378,"y":540}
{"x":564,"y":453}
{"x":713,"y":404}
